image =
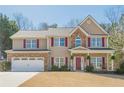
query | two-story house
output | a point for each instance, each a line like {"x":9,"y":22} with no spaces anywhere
{"x":86,"y":44}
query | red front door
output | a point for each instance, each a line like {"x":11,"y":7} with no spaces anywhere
{"x":78,"y":63}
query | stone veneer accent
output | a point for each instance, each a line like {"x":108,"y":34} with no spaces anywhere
{"x":45,"y":55}
{"x":82,"y":36}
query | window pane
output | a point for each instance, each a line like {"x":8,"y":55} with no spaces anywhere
{"x":62,"y":42}
{"x":61,"y":62}
{"x":99,"y":42}
{"x":28,"y":41}
{"x":57,"y":62}
{"x":31,"y":44}
{"x":93,"y":42}
{"x":93,"y":62}
{"x":56,"y":40}
{"x":34,"y":41}
{"x":99,"y":62}
{"x":34,"y":45}
{"x":96,"y":42}
{"x":78,"y":41}
{"x":28,"y":45}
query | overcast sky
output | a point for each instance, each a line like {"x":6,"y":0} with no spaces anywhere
{"x":57,"y":14}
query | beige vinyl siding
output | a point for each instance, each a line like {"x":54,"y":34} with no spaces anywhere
{"x":43,"y":43}
{"x":90,"y":27}
{"x":17,"y":44}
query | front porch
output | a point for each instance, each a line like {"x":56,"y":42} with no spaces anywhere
{"x":99,"y":59}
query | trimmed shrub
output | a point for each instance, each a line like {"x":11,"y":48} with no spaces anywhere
{"x":71,"y":57}
{"x":5,"y":66}
{"x":88,"y":57}
{"x":89,"y":69}
{"x":64,"y":68}
{"x":113,"y":57}
{"x":55,"y":68}
{"x":120,"y":70}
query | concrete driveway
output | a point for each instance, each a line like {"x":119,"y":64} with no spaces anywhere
{"x":73,"y":79}
{"x":13,"y":79}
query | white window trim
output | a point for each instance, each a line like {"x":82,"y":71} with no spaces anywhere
{"x":96,"y":46}
{"x":78,"y":39}
{"x":31,"y":44}
{"x":59,"y":60}
{"x":59,"y":41}
{"x":96,"y":61}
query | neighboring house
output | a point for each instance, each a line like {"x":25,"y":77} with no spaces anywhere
{"x":39,"y":50}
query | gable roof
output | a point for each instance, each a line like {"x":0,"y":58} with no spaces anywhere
{"x":87,"y":31}
{"x":96,"y":23}
{"x":78,"y":27}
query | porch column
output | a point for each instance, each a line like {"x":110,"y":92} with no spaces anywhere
{"x":74,"y":65}
{"x":107,"y":63}
{"x":112,"y":63}
{"x":71,"y":64}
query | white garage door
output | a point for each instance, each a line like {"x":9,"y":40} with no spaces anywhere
{"x":28,"y":64}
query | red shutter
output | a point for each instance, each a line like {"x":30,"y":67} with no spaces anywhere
{"x":52,"y":41}
{"x":88,"y":41}
{"x":37,"y":43}
{"x":24,"y":43}
{"x":103,"y":62}
{"x":66,"y":61}
{"x":103,"y":42}
{"x":66,"y":41}
{"x":52,"y":61}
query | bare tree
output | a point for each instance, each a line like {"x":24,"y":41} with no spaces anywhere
{"x":113,"y":15}
{"x":73,"y":22}
{"x":18,"y":18}
{"x":23,"y":22}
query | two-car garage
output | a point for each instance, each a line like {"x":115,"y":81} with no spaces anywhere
{"x":27,"y":64}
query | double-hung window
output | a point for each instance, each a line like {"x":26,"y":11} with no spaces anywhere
{"x":56,"y":40}
{"x":59,"y":41}
{"x":31,"y":44}
{"x":62,"y":41}
{"x":96,"y":42}
{"x":59,"y":61}
{"x":96,"y":62}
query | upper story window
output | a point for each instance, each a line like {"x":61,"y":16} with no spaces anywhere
{"x":96,"y":42}
{"x":59,"y":41}
{"x":78,"y":41}
{"x":31,"y":43}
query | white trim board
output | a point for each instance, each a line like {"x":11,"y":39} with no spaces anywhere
{"x":78,"y":27}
